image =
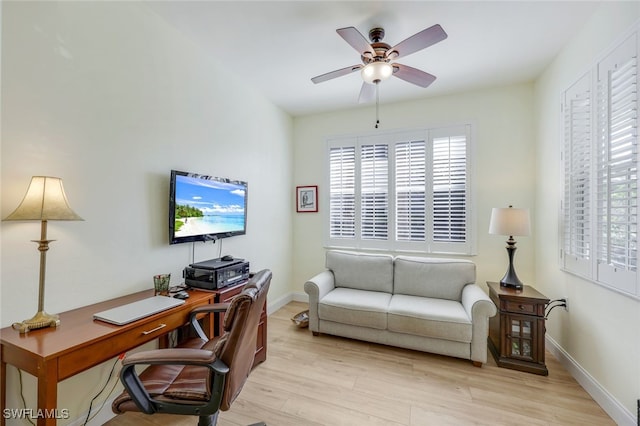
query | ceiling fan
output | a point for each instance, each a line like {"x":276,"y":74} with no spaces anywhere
{"x":377,"y":56}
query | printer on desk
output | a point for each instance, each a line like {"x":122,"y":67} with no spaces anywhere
{"x":216,"y":273}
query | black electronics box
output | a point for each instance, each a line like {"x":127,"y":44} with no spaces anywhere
{"x":216,"y":273}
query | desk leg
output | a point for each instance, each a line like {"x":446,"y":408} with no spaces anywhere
{"x":48,"y":392}
{"x":3,"y":390}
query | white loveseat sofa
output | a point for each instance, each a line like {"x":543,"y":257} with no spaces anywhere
{"x":425,"y":304}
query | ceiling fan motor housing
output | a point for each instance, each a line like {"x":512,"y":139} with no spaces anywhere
{"x":376,"y":35}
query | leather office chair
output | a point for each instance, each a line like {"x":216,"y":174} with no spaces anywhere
{"x":201,"y":376}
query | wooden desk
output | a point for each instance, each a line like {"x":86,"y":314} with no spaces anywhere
{"x":80,"y":342}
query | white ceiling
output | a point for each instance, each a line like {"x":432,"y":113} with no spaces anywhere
{"x":277,"y":46}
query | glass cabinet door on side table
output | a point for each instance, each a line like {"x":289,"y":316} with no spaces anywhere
{"x":519,"y":339}
{"x":516,"y":334}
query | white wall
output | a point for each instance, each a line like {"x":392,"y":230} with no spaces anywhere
{"x":110,"y":98}
{"x":503,"y":146}
{"x":600,"y":332}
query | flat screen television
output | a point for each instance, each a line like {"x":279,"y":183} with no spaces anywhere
{"x":205,"y":208}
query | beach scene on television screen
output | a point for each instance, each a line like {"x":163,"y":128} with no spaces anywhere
{"x":208,"y":207}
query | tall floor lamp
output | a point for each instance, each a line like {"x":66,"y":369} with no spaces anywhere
{"x":510,"y":221}
{"x":45,"y":200}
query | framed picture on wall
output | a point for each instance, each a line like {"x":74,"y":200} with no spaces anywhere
{"x":307,"y":199}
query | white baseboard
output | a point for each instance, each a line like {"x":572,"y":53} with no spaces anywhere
{"x":301,"y":297}
{"x":609,"y":404}
{"x":274,"y":305}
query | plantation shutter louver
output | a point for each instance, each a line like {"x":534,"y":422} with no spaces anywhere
{"x":617,"y":168}
{"x":577,"y":109}
{"x":374,"y":192}
{"x":449,"y":188}
{"x":410,"y":191}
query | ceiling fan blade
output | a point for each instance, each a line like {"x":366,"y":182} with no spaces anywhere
{"x":367,"y":93}
{"x":413,"y":75}
{"x":336,"y":73}
{"x":418,"y":41}
{"x":356,"y":40}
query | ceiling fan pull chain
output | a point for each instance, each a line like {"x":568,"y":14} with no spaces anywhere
{"x":377,"y":104}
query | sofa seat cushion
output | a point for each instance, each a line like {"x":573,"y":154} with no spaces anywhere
{"x":422,"y":316}
{"x":355,"y":307}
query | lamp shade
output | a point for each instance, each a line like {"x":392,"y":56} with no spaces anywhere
{"x":510,"y":221}
{"x":376,"y":72}
{"x":45,"y":200}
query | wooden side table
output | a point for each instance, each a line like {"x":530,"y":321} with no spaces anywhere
{"x":516,"y":334}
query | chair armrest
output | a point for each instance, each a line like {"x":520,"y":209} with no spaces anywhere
{"x":205,"y":309}
{"x":480,"y":308}
{"x":182,"y":356}
{"x":318,"y":287}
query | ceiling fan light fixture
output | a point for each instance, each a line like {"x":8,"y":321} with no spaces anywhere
{"x":375,"y":72}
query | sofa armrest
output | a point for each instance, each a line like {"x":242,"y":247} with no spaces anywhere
{"x":480,"y":308}
{"x":317,"y":287}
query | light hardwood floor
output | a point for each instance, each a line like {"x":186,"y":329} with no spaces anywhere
{"x":331,"y":381}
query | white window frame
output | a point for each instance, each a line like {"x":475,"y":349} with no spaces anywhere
{"x":603,"y":262}
{"x":391,"y":244}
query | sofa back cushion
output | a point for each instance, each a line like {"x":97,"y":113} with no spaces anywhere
{"x":361,"y":271}
{"x":429,"y":277}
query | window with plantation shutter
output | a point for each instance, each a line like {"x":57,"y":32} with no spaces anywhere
{"x":600,"y":203}
{"x":577,"y":110}
{"x":617,"y":168}
{"x":342,"y":184}
{"x":406,"y":191}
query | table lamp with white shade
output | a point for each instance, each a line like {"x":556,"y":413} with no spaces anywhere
{"x":510,"y":221}
{"x":45,"y":200}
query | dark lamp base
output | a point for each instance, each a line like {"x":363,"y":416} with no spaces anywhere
{"x":510,"y":279}
{"x":517,"y":286}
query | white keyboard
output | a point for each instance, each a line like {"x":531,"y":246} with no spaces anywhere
{"x":134,"y":311}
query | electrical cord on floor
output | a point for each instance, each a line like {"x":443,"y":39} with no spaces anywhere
{"x":113,"y":367}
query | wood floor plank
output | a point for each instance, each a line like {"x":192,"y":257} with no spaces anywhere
{"x":326,"y":381}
